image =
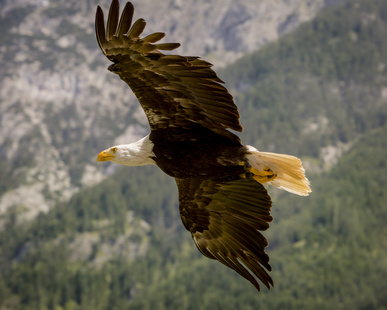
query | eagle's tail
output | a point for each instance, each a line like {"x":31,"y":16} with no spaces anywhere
{"x":280,"y":170}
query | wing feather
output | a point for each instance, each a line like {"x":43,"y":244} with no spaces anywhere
{"x":100,"y":29}
{"x":167,"y":46}
{"x":225,"y":226}
{"x":173,"y":90}
{"x":125,"y":20}
{"x":112,"y":22}
{"x":137,"y":28}
{"x":154,"y":37}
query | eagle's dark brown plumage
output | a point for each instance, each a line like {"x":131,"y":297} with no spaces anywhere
{"x":222,"y":201}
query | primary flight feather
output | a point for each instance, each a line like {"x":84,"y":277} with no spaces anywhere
{"x":223,"y":203}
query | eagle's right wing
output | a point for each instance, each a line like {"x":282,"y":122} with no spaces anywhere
{"x":224,"y":219}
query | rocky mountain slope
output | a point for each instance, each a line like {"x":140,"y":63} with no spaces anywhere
{"x":59,"y":105}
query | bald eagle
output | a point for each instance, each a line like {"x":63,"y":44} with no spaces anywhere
{"x":222,"y":201}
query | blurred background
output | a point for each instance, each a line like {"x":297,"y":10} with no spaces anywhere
{"x":309,"y":78}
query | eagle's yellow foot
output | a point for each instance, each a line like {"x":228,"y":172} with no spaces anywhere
{"x":263,"y":176}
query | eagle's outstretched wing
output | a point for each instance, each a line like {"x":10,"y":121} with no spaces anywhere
{"x":174,"y":91}
{"x":224,"y":218}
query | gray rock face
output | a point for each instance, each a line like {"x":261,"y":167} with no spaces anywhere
{"x":59,"y":105}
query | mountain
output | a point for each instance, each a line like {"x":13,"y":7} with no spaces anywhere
{"x":59,"y":105}
{"x":318,"y":92}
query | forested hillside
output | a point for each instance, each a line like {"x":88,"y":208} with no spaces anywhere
{"x":320,"y":93}
{"x":323,"y":84}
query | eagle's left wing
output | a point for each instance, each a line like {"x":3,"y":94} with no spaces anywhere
{"x":174,"y":91}
{"x":224,"y":218}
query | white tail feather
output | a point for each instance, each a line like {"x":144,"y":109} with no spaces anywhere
{"x":290,"y":175}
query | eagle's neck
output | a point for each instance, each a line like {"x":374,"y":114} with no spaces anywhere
{"x":139,"y":153}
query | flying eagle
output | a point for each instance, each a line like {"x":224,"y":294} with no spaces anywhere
{"x":222,"y":201}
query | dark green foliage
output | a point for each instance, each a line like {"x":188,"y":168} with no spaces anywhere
{"x":328,"y":251}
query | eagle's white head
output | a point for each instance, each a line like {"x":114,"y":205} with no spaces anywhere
{"x":139,"y":153}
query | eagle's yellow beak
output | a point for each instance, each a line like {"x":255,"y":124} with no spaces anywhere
{"x":105,"y":155}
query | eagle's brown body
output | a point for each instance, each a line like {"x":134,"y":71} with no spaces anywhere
{"x":202,"y":153}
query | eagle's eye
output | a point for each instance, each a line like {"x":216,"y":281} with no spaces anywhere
{"x":113,"y":150}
